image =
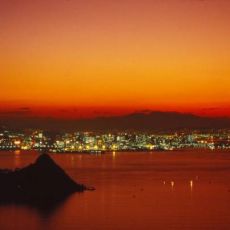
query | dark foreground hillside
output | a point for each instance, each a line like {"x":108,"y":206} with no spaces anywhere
{"x":41,"y":182}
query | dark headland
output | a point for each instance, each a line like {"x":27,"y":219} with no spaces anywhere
{"x":41,"y":182}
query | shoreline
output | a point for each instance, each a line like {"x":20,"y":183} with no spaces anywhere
{"x":119,"y":151}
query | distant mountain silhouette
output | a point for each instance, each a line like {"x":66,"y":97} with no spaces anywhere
{"x":146,"y":121}
{"x":40,"y":183}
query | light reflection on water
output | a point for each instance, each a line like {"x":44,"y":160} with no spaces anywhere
{"x":191,"y":184}
{"x":173,"y":190}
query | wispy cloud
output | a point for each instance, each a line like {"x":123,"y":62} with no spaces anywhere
{"x":16,"y":112}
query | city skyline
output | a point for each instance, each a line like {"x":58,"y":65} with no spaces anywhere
{"x":102,"y":142}
{"x":71,"y":59}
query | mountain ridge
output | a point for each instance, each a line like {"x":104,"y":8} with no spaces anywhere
{"x":139,"y":121}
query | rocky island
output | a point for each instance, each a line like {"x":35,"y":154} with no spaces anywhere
{"x":41,"y":182}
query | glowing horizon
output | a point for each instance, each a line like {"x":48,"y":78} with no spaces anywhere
{"x":71,"y":58}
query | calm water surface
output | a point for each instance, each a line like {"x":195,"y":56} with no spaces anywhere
{"x":159,"y":190}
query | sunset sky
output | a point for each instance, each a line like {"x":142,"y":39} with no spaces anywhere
{"x":72,"y":58}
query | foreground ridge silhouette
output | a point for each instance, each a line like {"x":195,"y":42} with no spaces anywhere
{"x":41,"y":182}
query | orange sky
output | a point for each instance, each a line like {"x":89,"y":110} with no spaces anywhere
{"x":78,"y":57}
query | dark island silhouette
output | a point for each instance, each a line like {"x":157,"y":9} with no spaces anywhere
{"x":42,"y":182}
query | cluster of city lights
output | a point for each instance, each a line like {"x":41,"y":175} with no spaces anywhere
{"x":122,"y":141}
